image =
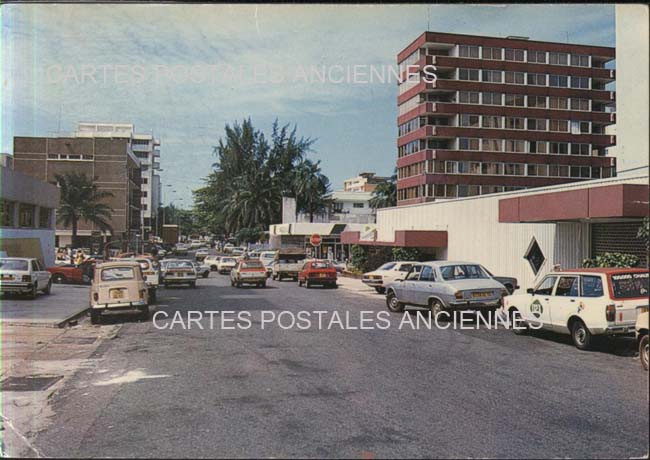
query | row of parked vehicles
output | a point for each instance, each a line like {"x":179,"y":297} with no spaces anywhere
{"x":584,"y":303}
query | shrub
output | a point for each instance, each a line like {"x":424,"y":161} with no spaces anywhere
{"x":358,"y":257}
{"x":406,"y":254}
{"x":612,"y":259}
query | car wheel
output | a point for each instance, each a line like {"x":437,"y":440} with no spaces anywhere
{"x":380,"y":290}
{"x":144,"y":314}
{"x":437,"y":309}
{"x":152,"y":295}
{"x":299,"y":283}
{"x":58,"y":278}
{"x":643,"y":351}
{"x":213,"y":268}
{"x":232,"y":283}
{"x":515,"y":318}
{"x":580,"y":335}
{"x":393,"y":304}
{"x":206,"y":274}
{"x":334,"y":286}
{"x":34,"y":292}
{"x":95,"y":317}
{"x":48,"y":289}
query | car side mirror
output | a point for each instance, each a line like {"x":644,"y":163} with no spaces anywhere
{"x":530,"y":291}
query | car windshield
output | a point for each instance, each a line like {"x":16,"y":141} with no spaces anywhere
{"x":387,"y":266}
{"x":144,"y":264}
{"x":462,"y":272}
{"x":229,"y":260}
{"x":630,"y":285}
{"x":9,"y":264}
{"x":252,"y":264}
{"x":118,"y":273}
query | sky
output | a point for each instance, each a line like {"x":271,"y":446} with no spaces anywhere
{"x":182,"y":72}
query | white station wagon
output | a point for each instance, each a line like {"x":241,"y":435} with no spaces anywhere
{"x":583,"y":303}
{"x":22,"y":275}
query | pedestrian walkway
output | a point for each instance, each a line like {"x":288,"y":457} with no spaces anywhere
{"x":355,"y":285}
{"x":66,"y":302}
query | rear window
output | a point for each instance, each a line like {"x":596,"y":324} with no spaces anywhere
{"x":228,"y":260}
{"x":252,"y":264}
{"x":462,"y":272}
{"x":118,"y":273}
{"x":321,"y":265}
{"x":7,"y":264}
{"x":180,"y":265}
{"x":629,"y":285}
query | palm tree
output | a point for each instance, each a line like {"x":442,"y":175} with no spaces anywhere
{"x":385,"y":194}
{"x":80,"y":200}
{"x":312,"y":188}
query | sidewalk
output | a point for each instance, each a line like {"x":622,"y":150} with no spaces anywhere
{"x":355,"y":285}
{"x":55,"y":310}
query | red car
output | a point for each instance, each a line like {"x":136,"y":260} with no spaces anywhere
{"x":320,"y":272}
{"x":74,"y":274}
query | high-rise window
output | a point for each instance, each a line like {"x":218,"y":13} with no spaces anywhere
{"x":514,"y":169}
{"x":537,"y":79}
{"x":491,"y":121}
{"x":517,"y":146}
{"x":579,"y":104}
{"x":538,"y":147}
{"x":492,"y":76}
{"x":491,"y":98}
{"x":491,"y":145}
{"x":579,"y":60}
{"x":465,"y":143}
{"x":468,"y":51}
{"x":492,"y":53}
{"x":515,"y":78}
{"x":468,"y":97}
{"x":515,"y":55}
{"x":514,"y":123}
{"x":558,"y":58}
{"x":579,"y":149}
{"x":558,"y":103}
{"x":558,"y":81}
{"x":468,"y":74}
{"x":469,"y":120}
{"x":560,"y":126}
{"x":561,"y":148}
{"x":537,"y":56}
{"x":538,"y":102}
{"x":536,"y":124}
{"x":515,"y":100}
{"x":580,"y":82}
{"x":26,"y":215}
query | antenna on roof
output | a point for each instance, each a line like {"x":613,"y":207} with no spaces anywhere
{"x":428,"y":17}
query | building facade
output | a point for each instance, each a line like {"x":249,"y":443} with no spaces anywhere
{"x":502,"y":114}
{"x":146,"y":149}
{"x":347,"y":207}
{"x":27,"y":215}
{"x":364,"y":182}
{"x":109,"y":160}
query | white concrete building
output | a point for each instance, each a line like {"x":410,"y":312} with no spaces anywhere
{"x":348,"y":207}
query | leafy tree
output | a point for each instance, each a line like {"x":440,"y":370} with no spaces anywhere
{"x":81,"y":200}
{"x":406,"y":254}
{"x":359,"y":257}
{"x":312,"y":188}
{"x":249,"y":235}
{"x":612,"y":259}
{"x":385,"y":194}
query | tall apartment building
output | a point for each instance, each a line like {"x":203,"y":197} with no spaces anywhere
{"x":107,"y":158}
{"x":146,"y":149}
{"x":364,"y":182}
{"x":502,"y":114}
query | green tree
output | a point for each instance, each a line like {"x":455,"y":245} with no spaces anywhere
{"x":311,"y":188}
{"x":385,"y":194}
{"x":406,"y":254}
{"x":82,"y":201}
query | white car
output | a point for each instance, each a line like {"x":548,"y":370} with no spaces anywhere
{"x":212,"y":261}
{"x":267,"y":258}
{"x":387,"y":273}
{"x":227,"y":248}
{"x":195,"y":244}
{"x":238,"y":251}
{"x":201,"y":269}
{"x":181,"y":248}
{"x":201,"y":254}
{"x":226,"y":264}
{"x":24,"y":276}
{"x":583,"y":303}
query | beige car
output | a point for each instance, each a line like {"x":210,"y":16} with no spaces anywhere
{"x":642,"y":335}
{"x":118,"y":287}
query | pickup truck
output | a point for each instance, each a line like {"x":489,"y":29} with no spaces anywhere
{"x":287,"y":264}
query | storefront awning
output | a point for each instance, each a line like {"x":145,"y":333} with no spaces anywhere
{"x":403,"y":238}
{"x":606,"y":202}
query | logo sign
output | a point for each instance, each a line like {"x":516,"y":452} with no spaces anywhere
{"x":315,"y":239}
{"x":536,"y":309}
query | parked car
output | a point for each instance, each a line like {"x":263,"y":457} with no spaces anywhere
{"x":151,"y":273}
{"x":317,"y":272}
{"x":212,"y":261}
{"x":226,"y":264}
{"x":287,"y":264}
{"x":23,"y":275}
{"x":73,"y":274}
{"x":340,"y":266}
{"x":387,"y":273}
{"x":179,"y":272}
{"x":249,"y":271}
{"x":267,"y":258}
{"x":201,"y":269}
{"x":583,"y":303}
{"x":443,"y":285}
{"x":227,"y":248}
{"x":238,"y":251}
{"x":201,"y":254}
{"x":510,"y":283}
{"x":118,"y":287}
{"x":195,"y":244}
{"x":642,"y":335}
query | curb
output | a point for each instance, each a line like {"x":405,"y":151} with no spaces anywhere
{"x":53,"y":324}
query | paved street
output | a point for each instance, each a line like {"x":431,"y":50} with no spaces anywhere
{"x":341,"y":393}
{"x":46,"y":310}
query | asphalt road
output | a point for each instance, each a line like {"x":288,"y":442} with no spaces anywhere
{"x":343,"y":393}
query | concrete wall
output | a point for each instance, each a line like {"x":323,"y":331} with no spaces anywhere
{"x":632,"y":92}
{"x":25,"y":242}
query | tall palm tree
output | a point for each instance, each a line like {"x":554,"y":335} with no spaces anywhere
{"x":81,"y":200}
{"x":385,"y":194}
{"x":312,"y":188}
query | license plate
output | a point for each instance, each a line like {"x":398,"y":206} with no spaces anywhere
{"x":480,"y":295}
{"x":117,"y":294}
{"x":323,"y":275}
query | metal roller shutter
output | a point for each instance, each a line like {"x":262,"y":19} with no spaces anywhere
{"x":618,"y":237}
